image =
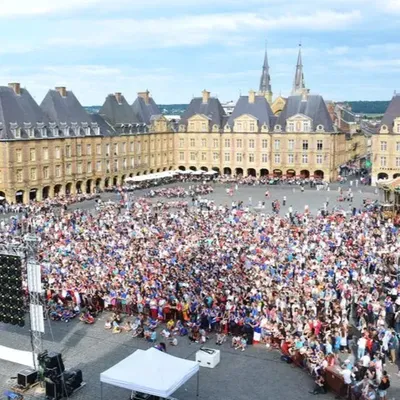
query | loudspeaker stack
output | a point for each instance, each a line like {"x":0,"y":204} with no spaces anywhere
{"x":59,"y":382}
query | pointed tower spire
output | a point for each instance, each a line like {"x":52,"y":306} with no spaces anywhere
{"x":299,"y":85}
{"x":265,"y":81}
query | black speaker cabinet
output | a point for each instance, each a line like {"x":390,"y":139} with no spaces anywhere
{"x":72,"y":380}
{"x":27,"y":377}
{"x":54,"y":360}
{"x":53,"y":390}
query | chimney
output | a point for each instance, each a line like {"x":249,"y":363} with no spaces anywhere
{"x":252,"y":96}
{"x":118,"y":97}
{"x":16,"y":87}
{"x":206,"y":96}
{"x":62,"y":90}
{"x":145,"y":96}
{"x":304,"y":95}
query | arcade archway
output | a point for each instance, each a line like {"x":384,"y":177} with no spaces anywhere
{"x":227,"y":171}
{"x":383,"y":175}
{"x":264,"y":172}
{"x":305,"y":174}
{"x":319,"y":174}
{"x":251,"y":172}
{"x":45,"y":192}
{"x":290,"y":173}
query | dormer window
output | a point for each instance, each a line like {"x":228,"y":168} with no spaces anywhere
{"x":75,"y":128}
{"x":264,"y":128}
{"x":86,"y":128}
{"x":42,"y":129}
{"x":215,"y":128}
{"x":95,"y":128}
{"x":320,"y":128}
{"x":30,"y":131}
{"x":15,"y":130}
{"x":181,"y":128}
{"x":191,"y":126}
{"x":306,"y":126}
{"x":227,"y":128}
{"x":290,"y":127}
{"x":278,"y":128}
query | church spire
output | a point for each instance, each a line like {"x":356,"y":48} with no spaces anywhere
{"x":299,"y":85}
{"x":265,"y":81}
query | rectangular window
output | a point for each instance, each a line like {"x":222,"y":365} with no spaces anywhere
{"x":203,"y":156}
{"x":319,"y":158}
{"x":398,"y":146}
{"x":192,"y":156}
{"x":98,"y":149}
{"x":89,"y":149}
{"x":277,"y":144}
{"x":290,"y":127}
{"x":320,"y":145}
{"x":58,"y":152}
{"x":124,"y":163}
{"x":251,"y":157}
{"x":79,"y":150}
{"x":19,"y":175}
{"x":251,"y":144}
{"x":252,"y":127}
{"x":181,"y":156}
{"x":115,"y":149}
{"x":383,"y":161}
{"x":238,"y":157}
{"x":239,"y":143}
{"x":227,"y":143}
{"x":264,"y":157}
{"x":227,"y":157}
{"x":181,"y":143}
{"x":116,"y":166}
{"x":305,"y":145}
{"x":45,"y":153}
{"x":139,"y":147}
{"x":68,"y":169}
{"x":277,"y":158}
{"x":306,"y":126}
{"x":18,"y":155}
{"x":45,"y":172}
{"x":79,"y":167}
{"x":107,"y":149}
{"x":192,"y":142}
{"x":216,"y":143}
{"x":98,"y":166}
{"x":203,"y":127}
{"x":58,"y":171}
{"x":123,"y":148}
{"x":89,"y":167}
{"x":290,"y":158}
{"x":215,"y":156}
{"x":203,"y":142}
{"x":383,"y":146}
{"x":397,"y":161}
{"x":131,"y":147}
{"x":67,"y":150}
{"x":304,"y":158}
{"x":108,"y":166}
{"x":264,"y":143}
{"x":191,"y":126}
{"x":290,"y":144}
{"x":32,"y":154}
{"x":33,"y":174}
{"x":239,"y":127}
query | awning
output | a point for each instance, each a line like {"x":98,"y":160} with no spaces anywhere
{"x":149,"y":177}
{"x":152,"y":372}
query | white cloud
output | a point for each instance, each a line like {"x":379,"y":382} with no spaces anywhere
{"x":191,"y":30}
{"x":391,"y":6}
{"x":371,"y":64}
{"x":339,"y":50}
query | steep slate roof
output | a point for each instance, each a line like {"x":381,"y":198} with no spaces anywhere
{"x":61,"y":109}
{"x":105,"y":128}
{"x":260,"y":109}
{"x":18,"y":109}
{"x":212,"y":109}
{"x":312,"y":106}
{"x":118,"y":113}
{"x":143,"y":111}
{"x":392,"y":112}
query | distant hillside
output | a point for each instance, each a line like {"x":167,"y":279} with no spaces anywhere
{"x":166,"y":109}
{"x":368,"y":107}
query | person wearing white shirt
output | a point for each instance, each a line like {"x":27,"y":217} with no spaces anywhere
{"x":365,"y":360}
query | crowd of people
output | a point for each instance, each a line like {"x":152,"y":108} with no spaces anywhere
{"x":181,"y":192}
{"x":231,"y":273}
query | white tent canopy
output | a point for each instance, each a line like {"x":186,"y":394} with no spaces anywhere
{"x":149,"y":177}
{"x":151,"y":372}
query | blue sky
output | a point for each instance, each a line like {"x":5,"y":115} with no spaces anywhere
{"x":177,"y":48}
